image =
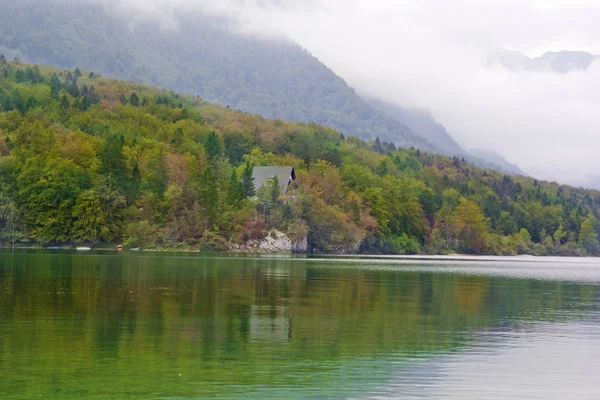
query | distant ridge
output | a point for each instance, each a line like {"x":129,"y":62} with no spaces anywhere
{"x":560,"y":62}
{"x":423,"y":123}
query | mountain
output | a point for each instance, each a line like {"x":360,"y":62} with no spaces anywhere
{"x":561,"y":62}
{"x":495,"y":158}
{"x":85,"y":159}
{"x":423,"y":123}
{"x":200,"y":55}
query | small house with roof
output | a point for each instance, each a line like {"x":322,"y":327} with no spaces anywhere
{"x":284,"y":175}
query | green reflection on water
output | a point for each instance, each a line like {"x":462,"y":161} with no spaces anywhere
{"x":149,"y":326}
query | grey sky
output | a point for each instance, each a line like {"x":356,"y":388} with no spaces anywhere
{"x":429,"y":54}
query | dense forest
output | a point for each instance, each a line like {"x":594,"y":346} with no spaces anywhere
{"x":207,"y":56}
{"x":204,"y":56}
{"x":85,"y":159}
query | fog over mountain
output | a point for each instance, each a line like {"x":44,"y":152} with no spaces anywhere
{"x":434,"y":55}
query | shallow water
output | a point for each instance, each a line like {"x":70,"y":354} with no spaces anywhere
{"x":156,"y":326}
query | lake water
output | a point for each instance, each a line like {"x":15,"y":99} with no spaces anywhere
{"x":156,"y":326}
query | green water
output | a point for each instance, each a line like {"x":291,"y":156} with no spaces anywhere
{"x":155,"y":326}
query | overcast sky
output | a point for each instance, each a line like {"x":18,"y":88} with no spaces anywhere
{"x":429,"y":54}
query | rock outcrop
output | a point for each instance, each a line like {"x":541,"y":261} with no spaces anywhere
{"x":274,"y":242}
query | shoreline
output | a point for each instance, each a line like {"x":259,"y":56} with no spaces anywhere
{"x":415,"y":257}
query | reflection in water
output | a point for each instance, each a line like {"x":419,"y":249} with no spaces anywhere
{"x":151,"y":326}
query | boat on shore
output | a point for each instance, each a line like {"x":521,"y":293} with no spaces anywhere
{"x":83,"y":248}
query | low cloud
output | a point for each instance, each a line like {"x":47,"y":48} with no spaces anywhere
{"x":430,"y":54}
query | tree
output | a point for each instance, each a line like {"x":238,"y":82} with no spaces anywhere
{"x":213,"y":147}
{"x":248,"y":181}
{"x":64,"y":102}
{"x":377,"y":146}
{"x":123,"y":99}
{"x":47,"y":193}
{"x":588,"y":237}
{"x":275,"y":193}
{"x":264,"y":195}
{"x":134,"y":99}
{"x":235,"y":191}
{"x":55,"y":86}
{"x":111,"y":156}
{"x":90,"y":222}
{"x":208,"y":195}
{"x":471,"y":228}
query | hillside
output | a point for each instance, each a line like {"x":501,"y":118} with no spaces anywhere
{"x":203,"y":56}
{"x":423,"y":123}
{"x":84,"y":159}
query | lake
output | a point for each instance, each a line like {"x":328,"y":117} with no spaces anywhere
{"x":191,"y":326}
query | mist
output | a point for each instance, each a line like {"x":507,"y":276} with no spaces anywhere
{"x":430,"y":54}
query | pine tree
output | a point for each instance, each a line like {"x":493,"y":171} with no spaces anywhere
{"x":208,"y":195}
{"x":377,"y":146}
{"x":212,"y":144}
{"x":275,"y":193}
{"x":123,"y":99}
{"x":112,"y":157}
{"x":134,"y":99}
{"x":64,"y":102}
{"x":248,"y":181}
{"x":288,"y":214}
{"x":235,"y":192}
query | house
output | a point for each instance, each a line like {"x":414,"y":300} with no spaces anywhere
{"x":285,"y":176}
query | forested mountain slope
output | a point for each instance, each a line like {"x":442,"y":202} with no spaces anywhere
{"x":204,"y":57}
{"x":423,"y":123}
{"x":86,"y":159}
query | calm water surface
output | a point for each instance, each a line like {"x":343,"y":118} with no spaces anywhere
{"x":155,"y":326}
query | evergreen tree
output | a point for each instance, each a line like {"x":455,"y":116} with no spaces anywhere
{"x":275,"y":193}
{"x":209,"y":196}
{"x":377,"y":146}
{"x":185,"y":114}
{"x":85,"y":103}
{"x":235,"y":191}
{"x":74,"y":90}
{"x":212,"y":144}
{"x":123,"y":99}
{"x":288,"y":214}
{"x":112,"y":157}
{"x":20,"y":76}
{"x":248,"y":181}
{"x":134,"y":99}
{"x":64,"y":102}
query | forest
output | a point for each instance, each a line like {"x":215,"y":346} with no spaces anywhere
{"x":205,"y":56}
{"x":90,"y":160}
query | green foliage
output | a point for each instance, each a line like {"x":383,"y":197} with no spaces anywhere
{"x":88,"y":171}
{"x":276,"y":79}
{"x":248,"y":181}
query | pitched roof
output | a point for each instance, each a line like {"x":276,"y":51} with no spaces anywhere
{"x":284,"y":175}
